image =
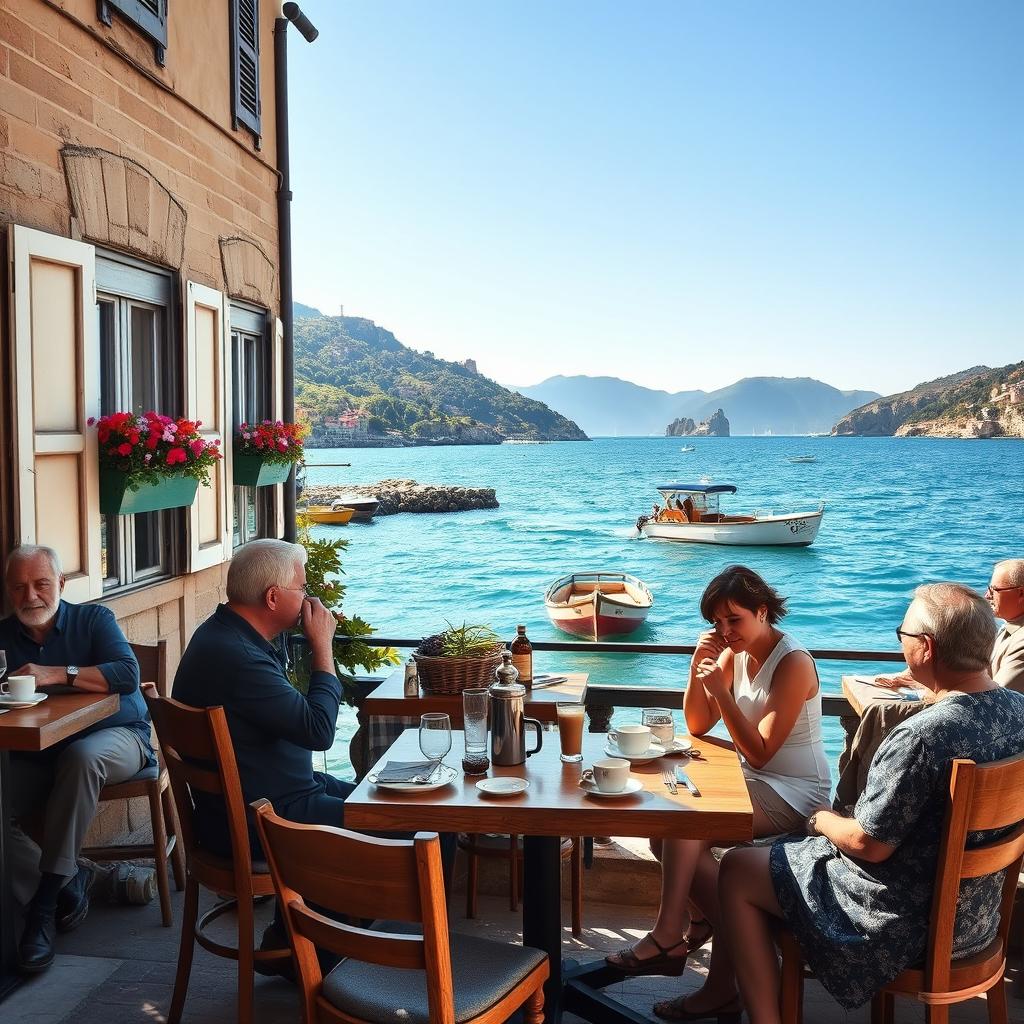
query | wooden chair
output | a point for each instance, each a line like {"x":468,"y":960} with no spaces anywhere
{"x":508,"y":848}
{"x":153,"y":784}
{"x":200,"y":759}
{"x":982,"y":797}
{"x":441,"y":978}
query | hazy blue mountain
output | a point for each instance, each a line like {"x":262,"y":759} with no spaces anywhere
{"x":301,"y":312}
{"x":605,"y":406}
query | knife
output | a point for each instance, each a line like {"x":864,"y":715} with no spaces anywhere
{"x":682,"y":777}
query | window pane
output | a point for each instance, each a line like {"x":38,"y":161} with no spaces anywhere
{"x":145,"y":389}
{"x":106,"y":314}
{"x":147,"y":541}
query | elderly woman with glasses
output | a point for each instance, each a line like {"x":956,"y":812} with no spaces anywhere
{"x":858,"y":893}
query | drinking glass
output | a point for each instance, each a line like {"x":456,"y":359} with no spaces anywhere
{"x":570,"y":730}
{"x":3,"y":664}
{"x":435,"y":735}
{"x":474,"y":718}
{"x":659,"y":721}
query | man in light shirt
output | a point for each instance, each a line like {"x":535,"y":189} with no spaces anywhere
{"x":1006,"y":595}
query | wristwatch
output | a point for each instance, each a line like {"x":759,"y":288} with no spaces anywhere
{"x":812,"y":824}
{"x":72,"y":672}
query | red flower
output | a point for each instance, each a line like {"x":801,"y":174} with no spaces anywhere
{"x":124,"y":449}
{"x":176,"y":455}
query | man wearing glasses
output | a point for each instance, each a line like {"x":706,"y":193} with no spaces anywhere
{"x":1006,"y":595}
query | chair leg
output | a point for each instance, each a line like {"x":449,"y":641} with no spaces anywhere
{"x":513,"y":872}
{"x":936,"y":1014}
{"x":171,"y":825}
{"x":791,"y":993}
{"x":882,"y":1007}
{"x":576,"y":864}
{"x":998,"y":1011}
{"x":533,"y":1009}
{"x":246,"y":948}
{"x":185,"y":950}
{"x":471,"y":877}
{"x":156,"y":815}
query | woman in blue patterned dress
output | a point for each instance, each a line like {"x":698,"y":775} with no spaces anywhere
{"x":858,"y":893}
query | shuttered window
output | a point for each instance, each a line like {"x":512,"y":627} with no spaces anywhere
{"x":245,"y":64}
{"x":149,"y":16}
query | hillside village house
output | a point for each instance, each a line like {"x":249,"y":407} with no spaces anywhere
{"x":139,"y":177}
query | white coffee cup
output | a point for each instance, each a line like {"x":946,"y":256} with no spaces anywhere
{"x":19,"y":687}
{"x":609,"y":775}
{"x":633,"y":739}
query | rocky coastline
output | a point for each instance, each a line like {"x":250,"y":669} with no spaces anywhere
{"x":407,"y":496}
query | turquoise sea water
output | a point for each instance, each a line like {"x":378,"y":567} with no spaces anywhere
{"x":899,"y":512}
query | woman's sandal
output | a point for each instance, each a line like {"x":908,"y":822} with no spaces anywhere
{"x":675,"y":1009}
{"x":698,"y":934}
{"x":628,"y":962}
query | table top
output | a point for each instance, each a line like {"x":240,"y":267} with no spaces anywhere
{"x":54,"y":719}
{"x":389,"y":699}
{"x":555,"y":805}
{"x":861,"y":693}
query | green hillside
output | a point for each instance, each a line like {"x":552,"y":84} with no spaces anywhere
{"x":344,"y":362}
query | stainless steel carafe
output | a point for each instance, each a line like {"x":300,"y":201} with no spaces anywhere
{"x":508,"y":720}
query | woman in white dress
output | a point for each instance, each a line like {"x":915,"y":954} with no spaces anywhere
{"x":763,"y":685}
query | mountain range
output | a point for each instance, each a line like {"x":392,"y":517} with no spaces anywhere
{"x":604,"y":406}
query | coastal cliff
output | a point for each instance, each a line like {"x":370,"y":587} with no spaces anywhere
{"x":976,"y":403}
{"x":716,"y":425}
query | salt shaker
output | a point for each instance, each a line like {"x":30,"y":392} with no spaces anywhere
{"x":412,"y":683}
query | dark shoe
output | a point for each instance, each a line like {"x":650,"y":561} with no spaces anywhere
{"x":73,"y":900}
{"x":274,"y":937}
{"x":35,"y":951}
{"x":675,"y":1009}
{"x":661,"y":963}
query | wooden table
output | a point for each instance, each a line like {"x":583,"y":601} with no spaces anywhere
{"x":860,"y":694}
{"x":35,"y":729}
{"x":556,"y":806}
{"x":389,"y":700}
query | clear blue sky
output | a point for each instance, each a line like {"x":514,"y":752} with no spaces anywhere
{"x":677,"y":193}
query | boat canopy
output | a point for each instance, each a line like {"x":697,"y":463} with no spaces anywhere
{"x":697,"y":488}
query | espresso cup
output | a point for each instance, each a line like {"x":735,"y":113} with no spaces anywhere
{"x":633,"y":739}
{"x":609,"y":775}
{"x":19,"y":687}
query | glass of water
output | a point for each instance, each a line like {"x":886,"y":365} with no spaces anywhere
{"x":3,"y":664}
{"x":659,"y":721}
{"x":435,"y":735}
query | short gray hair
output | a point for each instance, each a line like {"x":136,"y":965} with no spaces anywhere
{"x":262,"y":564}
{"x":23,"y":552}
{"x":961,"y":623}
{"x":1014,"y":569}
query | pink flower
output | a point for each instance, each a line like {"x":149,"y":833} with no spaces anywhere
{"x":197,"y":446}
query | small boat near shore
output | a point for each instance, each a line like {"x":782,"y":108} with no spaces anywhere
{"x":598,"y":605}
{"x":363,"y":509}
{"x":688,"y":448}
{"x":692,"y":515}
{"x":328,"y":516}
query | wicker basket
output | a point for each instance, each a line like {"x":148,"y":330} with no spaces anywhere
{"x":453,"y":675}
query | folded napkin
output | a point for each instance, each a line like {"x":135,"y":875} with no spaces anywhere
{"x":406,"y":771}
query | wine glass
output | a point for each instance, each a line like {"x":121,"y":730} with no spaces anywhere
{"x":660,"y":722}
{"x":435,"y":735}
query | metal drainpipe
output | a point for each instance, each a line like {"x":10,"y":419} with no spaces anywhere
{"x":284,"y":234}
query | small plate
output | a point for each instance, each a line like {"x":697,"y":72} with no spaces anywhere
{"x":503,"y":786}
{"x":632,"y":786}
{"x":679,"y":745}
{"x":446,"y":775}
{"x":655,"y":750}
{"x":7,"y":701}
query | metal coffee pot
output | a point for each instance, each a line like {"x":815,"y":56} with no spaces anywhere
{"x":508,"y":720}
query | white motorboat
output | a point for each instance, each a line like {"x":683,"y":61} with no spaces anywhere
{"x":688,"y":448}
{"x":691,"y":515}
{"x":598,"y":605}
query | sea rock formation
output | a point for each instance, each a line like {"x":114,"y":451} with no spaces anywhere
{"x":682,"y":427}
{"x":407,"y":496}
{"x":716,"y":425}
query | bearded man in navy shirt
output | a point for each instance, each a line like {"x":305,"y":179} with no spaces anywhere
{"x":82,"y":647}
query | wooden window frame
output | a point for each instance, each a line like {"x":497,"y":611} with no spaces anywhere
{"x":152,"y":24}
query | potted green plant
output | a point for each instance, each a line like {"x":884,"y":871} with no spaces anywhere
{"x":265,"y":452}
{"x":150,"y":462}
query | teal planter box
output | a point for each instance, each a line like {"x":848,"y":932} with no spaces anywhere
{"x":255,"y":471}
{"x":171,"y":492}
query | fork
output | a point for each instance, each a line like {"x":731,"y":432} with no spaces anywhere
{"x":669,"y":781}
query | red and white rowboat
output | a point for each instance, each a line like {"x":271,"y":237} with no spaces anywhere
{"x":598,"y":605}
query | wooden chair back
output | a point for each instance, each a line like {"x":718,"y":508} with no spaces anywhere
{"x":197,"y":751}
{"x":362,"y":877}
{"x":982,"y":797}
{"x":152,"y":659}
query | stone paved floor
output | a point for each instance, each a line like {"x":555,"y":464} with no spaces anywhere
{"x":119,"y":967}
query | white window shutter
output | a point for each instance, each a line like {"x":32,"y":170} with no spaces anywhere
{"x":208,"y":375}
{"x":277,"y":412}
{"x":55,"y":390}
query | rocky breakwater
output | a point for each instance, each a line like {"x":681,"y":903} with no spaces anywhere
{"x":408,"y":496}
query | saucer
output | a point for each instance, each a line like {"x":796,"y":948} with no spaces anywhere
{"x":655,"y":750}
{"x":679,"y":745}
{"x":632,"y":787}
{"x":505,"y":786}
{"x":445,"y":776}
{"x":7,"y":701}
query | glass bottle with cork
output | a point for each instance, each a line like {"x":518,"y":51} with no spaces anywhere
{"x":522,"y":656}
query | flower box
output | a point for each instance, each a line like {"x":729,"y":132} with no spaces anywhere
{"x":177,"y":491}
{"x":256,"y":471}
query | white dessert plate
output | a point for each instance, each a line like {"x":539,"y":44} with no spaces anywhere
{"x":509,"y":786}
{"x":656,"y":749}
{"x":7,"y":701}
{"x":679,"y":745}
{"x":632,"y":786}
{"x":445,"y":775}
